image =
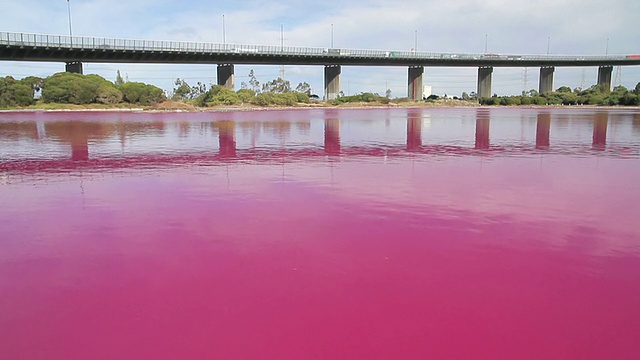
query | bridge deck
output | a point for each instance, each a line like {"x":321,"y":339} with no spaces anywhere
{"x":38,"y":47}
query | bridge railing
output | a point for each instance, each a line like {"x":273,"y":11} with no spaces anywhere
{"x":111,"y":44}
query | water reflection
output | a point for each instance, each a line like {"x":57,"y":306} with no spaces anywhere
{"x":600,"y":122}
{"x":543,"y":129}
{"x":145,"y":139}
{"x":226,"y":138}
{"x":332,"y":136}
{"x":414,"y":129}
{"x":483,"y":121}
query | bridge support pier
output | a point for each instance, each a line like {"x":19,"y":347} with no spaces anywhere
{"x":546,"y":79}
{"x":415,"y":83}
{"x":331,"y":82}
{"x":226,"y":76}
{"x":484,"y":81}
{"x":74,"y":67}
{"x":604,"y":77}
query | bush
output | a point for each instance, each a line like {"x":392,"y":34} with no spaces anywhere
{"x":143,"y":94}
{"x":70,"y":88}
{"x":15,"y":93}
{"x":246,"y":95}
{"x":223,"y":96}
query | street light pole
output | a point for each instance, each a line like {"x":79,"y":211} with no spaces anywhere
{"x":416,"y":41}
{"x":282,"y":49}
{"x":607,"y":49}
{"x":332,"y":36}
{"x":224,"y":35}
{"x":486,"y":40}
{"x":548,"y":44}
{"x":70,"y":31}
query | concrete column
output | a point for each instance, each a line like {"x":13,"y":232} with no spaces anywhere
{"x":546,"y":79}
{"x":543,"y":129}
{"x":415,"y":84}
{"x":332,"y":136}
{"x":331,"y":82}
{"x":226,"y":76}
{"x":604,"y":77}
{"x":600,"y":122}
{"x":74,"y":67}
{"x":414,"y":129}
{"x":484,"y":81}
{"x":483,"y":121}
{"x":227,"y":138}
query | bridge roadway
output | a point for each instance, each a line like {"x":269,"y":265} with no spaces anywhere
{"x":76,"y":50}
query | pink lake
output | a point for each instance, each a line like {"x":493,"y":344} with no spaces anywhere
{"x":321,"y":234}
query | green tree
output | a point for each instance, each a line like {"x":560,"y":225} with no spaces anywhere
{"x":278,"y":86}
{"x":143,"y":94}
{"x":181,"y":91}
{"x":15,"y":93}
{"x":304,"y":88}
{"x":119,"y":80}
{"x":108,"y":94}
{"x":69,"y":88}
{"x":197,"y":90}
{"x":246,"y":95}
{"x":255,"y":84}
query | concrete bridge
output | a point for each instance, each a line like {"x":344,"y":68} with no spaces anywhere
{"x":76,"y":50}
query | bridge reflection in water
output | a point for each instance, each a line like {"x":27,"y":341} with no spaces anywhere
{"x":83,"y":135}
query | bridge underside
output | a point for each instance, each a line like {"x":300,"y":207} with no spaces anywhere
{"x":66,"y":54}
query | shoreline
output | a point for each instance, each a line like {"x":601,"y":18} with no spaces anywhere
{"x":404,"y":105}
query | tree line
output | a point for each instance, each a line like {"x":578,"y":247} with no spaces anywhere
{"x":595,"y":95}
{"x":274,"y":92}
{"x":71,"y":88}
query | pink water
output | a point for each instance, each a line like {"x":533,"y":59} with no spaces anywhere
{"x":321,"y":234}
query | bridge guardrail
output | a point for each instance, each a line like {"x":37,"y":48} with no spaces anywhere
{"x":112,"y":44}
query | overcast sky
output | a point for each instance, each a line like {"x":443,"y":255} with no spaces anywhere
{"x":586,"y":27}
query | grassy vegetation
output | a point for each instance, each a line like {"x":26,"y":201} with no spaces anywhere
{"x":594,"y":95}
{"x":68,"y":91}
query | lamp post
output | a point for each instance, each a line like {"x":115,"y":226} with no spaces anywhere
{"x":416,"y":41}
{"x":548,"y":45}
{"x":224,"y":35}
{"x":486,"y":40}
{"x":70,"y":31}
{"x":332,"y":36}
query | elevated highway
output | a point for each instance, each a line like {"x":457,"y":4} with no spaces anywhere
{"x":77,"y":50}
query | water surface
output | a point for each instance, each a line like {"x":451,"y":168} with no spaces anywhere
{"x":320,"y":234}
